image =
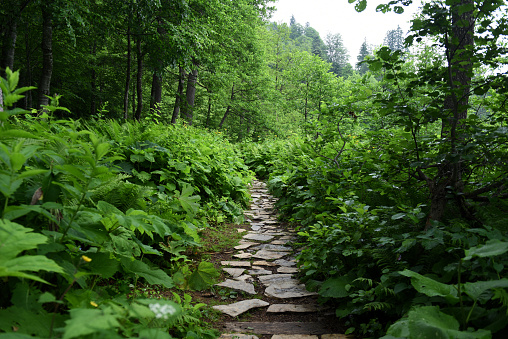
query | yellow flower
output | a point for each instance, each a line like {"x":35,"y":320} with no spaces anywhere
{"x":85,"y":258}
{"x":94,"y":304}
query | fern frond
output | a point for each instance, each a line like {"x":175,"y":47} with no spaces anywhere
{"x":377,"y":306}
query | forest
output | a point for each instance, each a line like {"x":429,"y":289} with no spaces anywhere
{"x":130,"y":131}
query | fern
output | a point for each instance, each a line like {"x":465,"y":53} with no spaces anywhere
{"x":377,"y":306}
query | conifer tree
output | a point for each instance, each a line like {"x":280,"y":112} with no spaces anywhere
{"x":364,"y":51}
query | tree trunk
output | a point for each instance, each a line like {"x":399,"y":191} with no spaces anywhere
{"x":28,"y":66}
{"x":460,"y":69}
{"x":9,"y":46}
{"x":139,"y":78}
{"x":179,"y":95}
{"x":209,"y":111}
{"x":229,"y":107}
{"x":47,"y":54}
{"x":127,"y":76}
{"x":93,"y":84}
{"x":191,"y":95}
{"x":156,"y":93}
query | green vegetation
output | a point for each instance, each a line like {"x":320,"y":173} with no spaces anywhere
{"x":394,"y":173}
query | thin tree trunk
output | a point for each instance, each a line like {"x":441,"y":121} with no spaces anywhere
{"x":127,"y":76}
{"x":93,"y":85}
{"x":47,"y":54}
{"x":28,"y":66}
{"x":179,"y":95}
{"x":229,"y":107}
{"x":209,"y":111}
{"x":156,"y":93}
{"x":9,"y":46}
{"x":191,"y":95}
{"x":139,"y":78}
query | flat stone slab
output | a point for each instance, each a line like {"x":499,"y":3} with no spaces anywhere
{"x":241,"y":230}
{"x":286,"y":263}
{"x":287,"y":290}
{"x":234,"y":272}
{"x":243,"y":255}
{"x":237,"y":336}
{"x":269,"y":255}
{"x":238,"y":285}
{"x":272,"y":247}
{"x":240,"y":307}
{"x":260,"y":224}
{"x":294,"y":336}
{"x":279,"y":242}
{"x":255,"y":228}
{"x":282,"y":308}
{"x":245,"y":245}
{"x":235,"y":263}
{"x":258,"y":237}
{"x":277,"y":278}
{"x":263,"y":263}
{"x":287,"y":270}
{"x":278,"y":328}
{"x":244,"y":277}
{"x":259,"y":272}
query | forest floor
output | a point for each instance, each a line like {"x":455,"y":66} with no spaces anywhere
{"x":259,"y":295}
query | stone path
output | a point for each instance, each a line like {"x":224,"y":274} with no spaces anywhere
{"x":266,"y":263}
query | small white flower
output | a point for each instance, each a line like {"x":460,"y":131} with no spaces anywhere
{"x":162,"y":311}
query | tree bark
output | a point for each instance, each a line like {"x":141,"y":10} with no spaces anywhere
{"x":139,"y":78}
{"x":93,"y":84}
{"x":460,"y":70}
{"x":229,"y":107}
{"x":156,"y":93}
{"x":191,"y":95}
{"x":9,"y":46}
{"x":179,"y":95}
{"x":47,"y":54}
{"x":127,"y":76}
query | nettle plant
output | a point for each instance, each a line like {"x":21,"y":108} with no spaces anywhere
{"x":68,"y":260}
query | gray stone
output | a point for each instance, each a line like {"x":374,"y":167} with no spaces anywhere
{"x":245,"y":245}
{"x":271,"y":279}
{"x":269,"y":255}
{"x":272,"y":247}
{"x":279,"y":242}
{"x":235,"y":263}
{"x":237,"y":336}
{"x":294,"y":336}
{"x":258,"y":237}
{"x":261,"y":271}
{"x":287,"y":290}
{"x":284,"y":269}
{"x":245,"y":277}
{"x":281,"y":308}
{"x":263,"y":263}
{"x":243,"y":255}
{"x":240,"y":307}
{"x":235,"y":272}
{"x":255,"y":228}
{"x":238,"y":285}
{"x":287,"y":263}
{"x":241,"y":230}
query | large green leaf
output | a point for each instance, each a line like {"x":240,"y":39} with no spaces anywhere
{"x":15,"y":239}
{"x":153,"y":276}
{"x":474,"y":290}
{"x":103,"y":264}
{"x":202,"y":278}
{"x":428,"y":322}
{"x":491,"y":248}
{"x":88,"y":321}
{"x":431,"y":287}
{"x":337,"y":287}
{"x":187,"y":200}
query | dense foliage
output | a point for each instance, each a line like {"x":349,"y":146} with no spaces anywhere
{"x":395,"y":174}
{"x":86,"y":204}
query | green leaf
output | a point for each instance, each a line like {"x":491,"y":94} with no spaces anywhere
{"x":88,"y":321}
{"x":153,"y":276}
{"x":202,"y":278}
{"x":431,"y":287}
{"x":102,"y":264}
{"x":474,"y":290}
{"x":490,"y":249}
{"x":337,"y":287}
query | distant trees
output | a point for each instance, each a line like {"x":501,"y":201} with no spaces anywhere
{"x":394,"y":39}
{"x":362,"y":68}
{"x":337,"y":55}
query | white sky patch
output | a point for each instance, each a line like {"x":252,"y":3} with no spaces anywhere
{"x":339,"y":16}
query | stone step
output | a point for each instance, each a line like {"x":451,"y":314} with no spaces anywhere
{"x":293,"y":328}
